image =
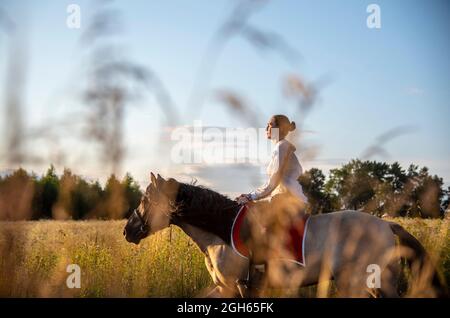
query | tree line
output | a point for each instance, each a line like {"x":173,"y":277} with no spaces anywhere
{"x":378,"y":188}
{"x":25,"y":196}
{"x":374,"y":187}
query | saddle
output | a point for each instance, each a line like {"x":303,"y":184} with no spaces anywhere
{"x":294,"y":242}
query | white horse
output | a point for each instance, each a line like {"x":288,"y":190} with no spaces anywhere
{"x":356,"y":250}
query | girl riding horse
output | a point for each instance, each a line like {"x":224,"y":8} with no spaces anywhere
{"x":284,"y":168}
{"x":287,"y":200}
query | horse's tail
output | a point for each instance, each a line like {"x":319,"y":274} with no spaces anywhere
{"x":419,"y":261}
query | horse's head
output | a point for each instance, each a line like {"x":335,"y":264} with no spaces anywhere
{"x":153,"y":213}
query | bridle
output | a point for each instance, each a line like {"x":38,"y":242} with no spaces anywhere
{"x":143,"y":221}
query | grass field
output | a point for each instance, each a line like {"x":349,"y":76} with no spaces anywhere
{"x":35,"y":255}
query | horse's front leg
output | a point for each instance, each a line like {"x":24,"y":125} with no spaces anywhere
{"x":254,"y":284}
{"x":217,"y":292}
{"x":226,"y":269}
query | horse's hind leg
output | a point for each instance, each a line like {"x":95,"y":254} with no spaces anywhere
{"x":389,"y":281}
{"x":351,"y":283}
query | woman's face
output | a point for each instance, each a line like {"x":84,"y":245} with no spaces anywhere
{"x":271,"y":124}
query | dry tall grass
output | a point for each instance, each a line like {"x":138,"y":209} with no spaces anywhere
{"x":35,"y":256}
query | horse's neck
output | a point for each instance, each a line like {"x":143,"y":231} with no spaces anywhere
{"x":215,"y":225}
{"x":202,"y":238}
{"x":214,"y":215}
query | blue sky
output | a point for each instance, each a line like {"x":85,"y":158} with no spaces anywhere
{"x":380,"y":78}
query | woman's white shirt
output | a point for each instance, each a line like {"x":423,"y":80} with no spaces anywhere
{"x":283,"y":154}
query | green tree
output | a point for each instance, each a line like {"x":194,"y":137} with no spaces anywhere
{"x":86,"y":199}
{"x":356,"y":184}
{"x":446,"y":200}
{"x":47,"y":191}
{"x":380,"y":188}
{"x":313,"y":184}
{"x":425,"y":194}
{"x":132,"y":194}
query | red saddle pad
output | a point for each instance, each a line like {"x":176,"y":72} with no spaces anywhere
{"x":295,"y":243}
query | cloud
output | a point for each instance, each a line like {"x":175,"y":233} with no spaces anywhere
{"x":229,"y":179}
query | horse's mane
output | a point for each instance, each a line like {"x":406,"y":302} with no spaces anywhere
{"x":206,"y":209}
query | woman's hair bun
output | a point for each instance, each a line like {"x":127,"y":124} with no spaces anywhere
{"x":292,"y":126}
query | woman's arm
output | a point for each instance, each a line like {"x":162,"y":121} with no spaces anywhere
{"x":265,"y":190}
{"x":279,"y":160}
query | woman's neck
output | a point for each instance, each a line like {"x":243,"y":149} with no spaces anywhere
{"x":277,"y":140}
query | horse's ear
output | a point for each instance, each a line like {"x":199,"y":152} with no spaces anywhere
{"x":159,"y":180}
{"x":152,"y":178}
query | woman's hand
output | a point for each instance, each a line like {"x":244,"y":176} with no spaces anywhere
{"x":242,"y":199}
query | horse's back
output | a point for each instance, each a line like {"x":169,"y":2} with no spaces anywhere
{"x":351,"y":219}
{"x":349,"y":234}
